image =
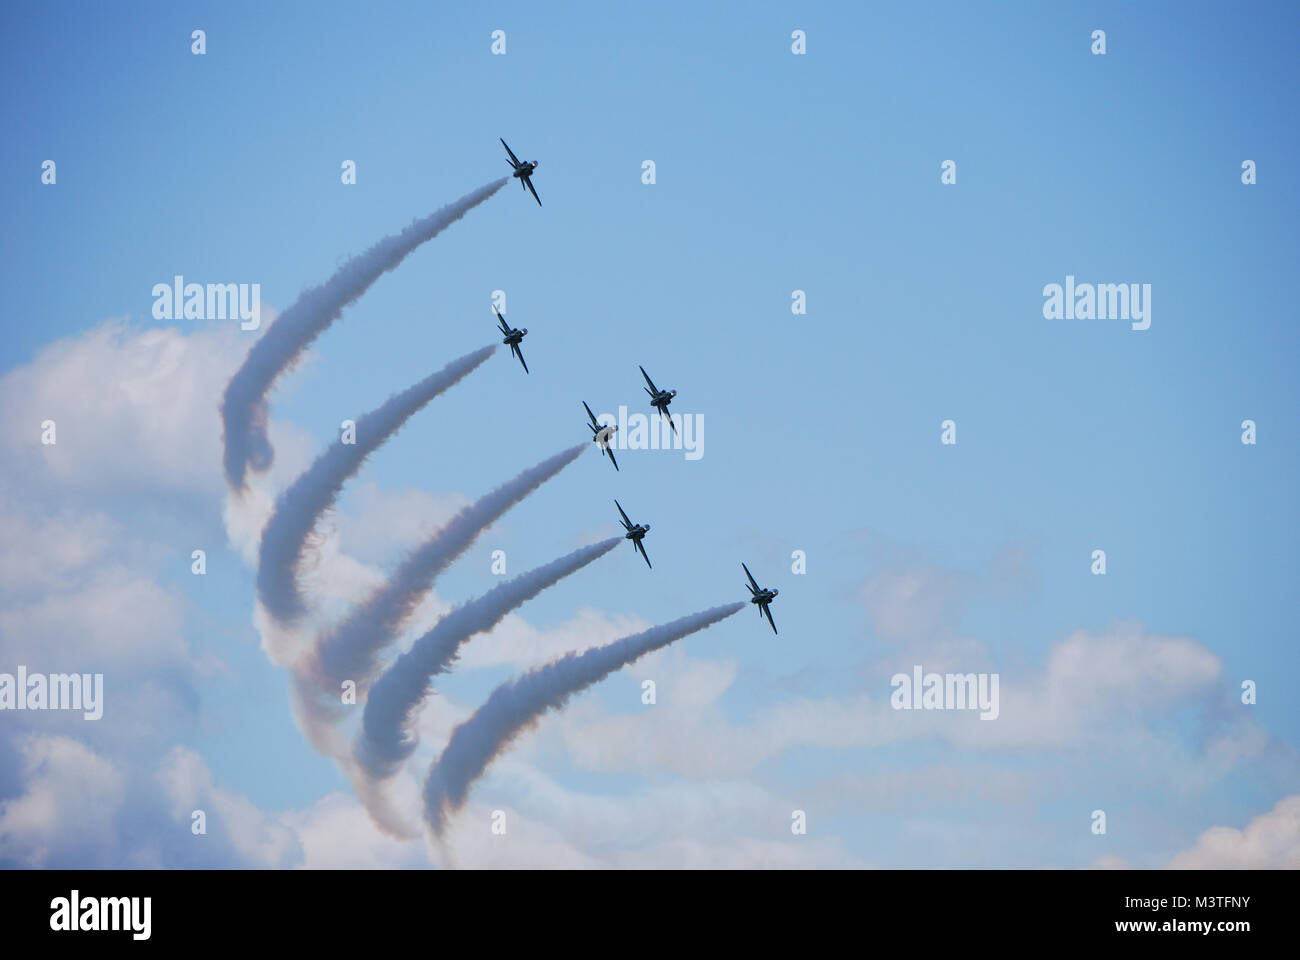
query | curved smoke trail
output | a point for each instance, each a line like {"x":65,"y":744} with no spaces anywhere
{"x":299,"y":507}
{"x":349,"y":651}
{"x":516,"y":705}
{"x":398,"y":694}
{"x":243,"y":408}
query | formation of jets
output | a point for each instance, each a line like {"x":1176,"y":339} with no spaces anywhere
{"x":762,"y":597}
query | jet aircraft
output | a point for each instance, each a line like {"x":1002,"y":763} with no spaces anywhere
{"x":761,"y":596}
{"x":601,"y":435}
{"x":636,"y":533}
{"x":523,"y":170}
{"x":513,"y":337}
{"x":659,"y":399}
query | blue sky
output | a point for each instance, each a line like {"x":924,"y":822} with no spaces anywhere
{"x":774,"y":173}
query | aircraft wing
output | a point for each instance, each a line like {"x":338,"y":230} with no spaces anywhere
{"x":669,"y":418}
{"x":751,"y":579}
{"x":648,"y":380}
{"x":591,"y":415}
{"x":626,"y":521}
{"x":767,"y":611}
{"x":641,"y":548}
{"x":528,"y":182}
{"x":514,"y":347}
{"x":610,"y":451}
{"x":513,"y":159}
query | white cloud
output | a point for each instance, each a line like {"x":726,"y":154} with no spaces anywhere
{"x":135,"y":409}
{"x":68,"y":807}
{"x":335,"y":833}
{"x":116,"y":618}
{"x":717,"y":825}
{"x":256,"y":839}
{"x":914,"y":602}
{"x":1110,"y":861}
{"x":1091,"y":686}
{"x":40,"y":550}
{"x":1271,"y":841}
{"x":79,"y":593}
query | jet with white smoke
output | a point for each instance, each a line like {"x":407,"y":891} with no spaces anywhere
{"x":303,"y":503}
{"x":243,"y":408}
{"x":387,"y":737}
{"x":516,"y":705}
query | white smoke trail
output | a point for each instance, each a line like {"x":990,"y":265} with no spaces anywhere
{"x":398,"y":694}
{"x":516,"y":705}
{"x":300,"y":506}
{"x":243,"y":408}
{"x":349,"y":652}
{"x":379,"y":803}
